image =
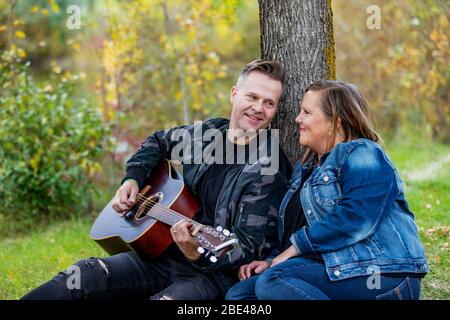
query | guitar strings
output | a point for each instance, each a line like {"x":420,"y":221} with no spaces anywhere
{"x":149,"y":203}
{"x":173,"y":213}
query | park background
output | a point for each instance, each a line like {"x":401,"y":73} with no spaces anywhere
{"x":77,"y":100}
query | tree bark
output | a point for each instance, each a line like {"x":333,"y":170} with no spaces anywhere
{"x":298,"y":34}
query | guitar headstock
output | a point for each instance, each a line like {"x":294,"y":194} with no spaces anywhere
{"x":215,"y":243}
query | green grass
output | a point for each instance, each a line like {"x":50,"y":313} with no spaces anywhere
{"x":429,"y":199}
{"x":27,"y":261}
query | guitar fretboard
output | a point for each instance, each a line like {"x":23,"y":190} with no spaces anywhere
{"x":168,"y":216}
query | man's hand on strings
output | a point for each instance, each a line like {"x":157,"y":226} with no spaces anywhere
{"x":125,"y":197}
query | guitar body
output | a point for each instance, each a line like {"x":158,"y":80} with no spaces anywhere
{"x":140,"y":232}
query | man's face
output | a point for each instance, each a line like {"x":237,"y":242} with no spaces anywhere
{"x":255,"y":100}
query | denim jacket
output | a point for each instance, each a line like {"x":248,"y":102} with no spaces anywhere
{"x":357,"y":214}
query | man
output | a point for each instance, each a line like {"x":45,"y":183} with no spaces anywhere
{"x":237,"y":196}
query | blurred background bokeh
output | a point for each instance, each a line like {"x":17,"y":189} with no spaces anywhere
{"x":83,"y":82}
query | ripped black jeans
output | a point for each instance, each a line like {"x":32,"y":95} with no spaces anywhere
{"x":128,"y":276}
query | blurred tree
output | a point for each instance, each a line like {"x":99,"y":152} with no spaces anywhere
{"x":40,"y":30}
{"x":299,"y":34}
{"x":159,"y":65}
{"x":178,"y":67}
{"x":403,"y":68}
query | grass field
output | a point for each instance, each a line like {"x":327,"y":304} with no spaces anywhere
{"x":27,"y":261}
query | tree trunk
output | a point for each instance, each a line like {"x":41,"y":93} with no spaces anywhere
{"x":298,"y":34}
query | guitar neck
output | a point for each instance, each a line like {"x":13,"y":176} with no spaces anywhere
{"x":167,"y":216}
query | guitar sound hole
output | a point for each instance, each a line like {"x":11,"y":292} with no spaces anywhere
{"x":147,"y":205}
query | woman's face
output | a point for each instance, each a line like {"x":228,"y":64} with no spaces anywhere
{"x":315,"y":127}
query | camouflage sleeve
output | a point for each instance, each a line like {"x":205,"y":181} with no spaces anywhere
{"x":151,"y":152}
{"x":255,"y":224}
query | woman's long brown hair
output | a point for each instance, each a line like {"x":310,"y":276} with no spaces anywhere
{"x":343,"y":101}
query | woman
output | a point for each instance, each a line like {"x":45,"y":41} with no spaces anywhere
{"x":344,"y":224}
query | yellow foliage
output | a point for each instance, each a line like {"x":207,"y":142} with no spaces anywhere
{"x":56,"y":68}
{"x":434,"y":35}
{"x":20,"y":34}
{"x":94,"y":168}
{"x":48,"y":88}
{"x":408,"y":79}
{"x":55,"y":7}
{"x":18,"y":22}
{"x":76,"y":46}
{"x":163,"y":50}
{"x":34,"y":161}
{"x":178,"y":95}
{"x":21,"y":53}
{"x":66,"y":76}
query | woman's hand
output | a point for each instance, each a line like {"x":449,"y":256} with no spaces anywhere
{"x":286,"y":254}
{"x":256,"y":267}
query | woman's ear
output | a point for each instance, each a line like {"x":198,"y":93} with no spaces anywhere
{"x":339,"y":129}
{"x":338,"y":123}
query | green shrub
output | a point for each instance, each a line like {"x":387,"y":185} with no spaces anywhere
{"x":49,"y":143}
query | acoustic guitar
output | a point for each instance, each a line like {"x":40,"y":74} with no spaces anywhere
{"x":163,"y":201}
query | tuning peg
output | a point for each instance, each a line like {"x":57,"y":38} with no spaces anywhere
{"x":226,"y":232}
{"x":201,"y":250}
{"x":213,"y":259}
{"x":219,"y":228}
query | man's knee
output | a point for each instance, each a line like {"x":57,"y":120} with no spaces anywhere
{"x":72,"y":282}
{"x":97,"y":265}
{"x":85,"y":276}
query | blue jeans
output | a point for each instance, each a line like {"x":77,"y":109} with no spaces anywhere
{"x":304,"y":279}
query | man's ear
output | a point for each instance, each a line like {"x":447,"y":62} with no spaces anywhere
{"x":233,"y":93}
